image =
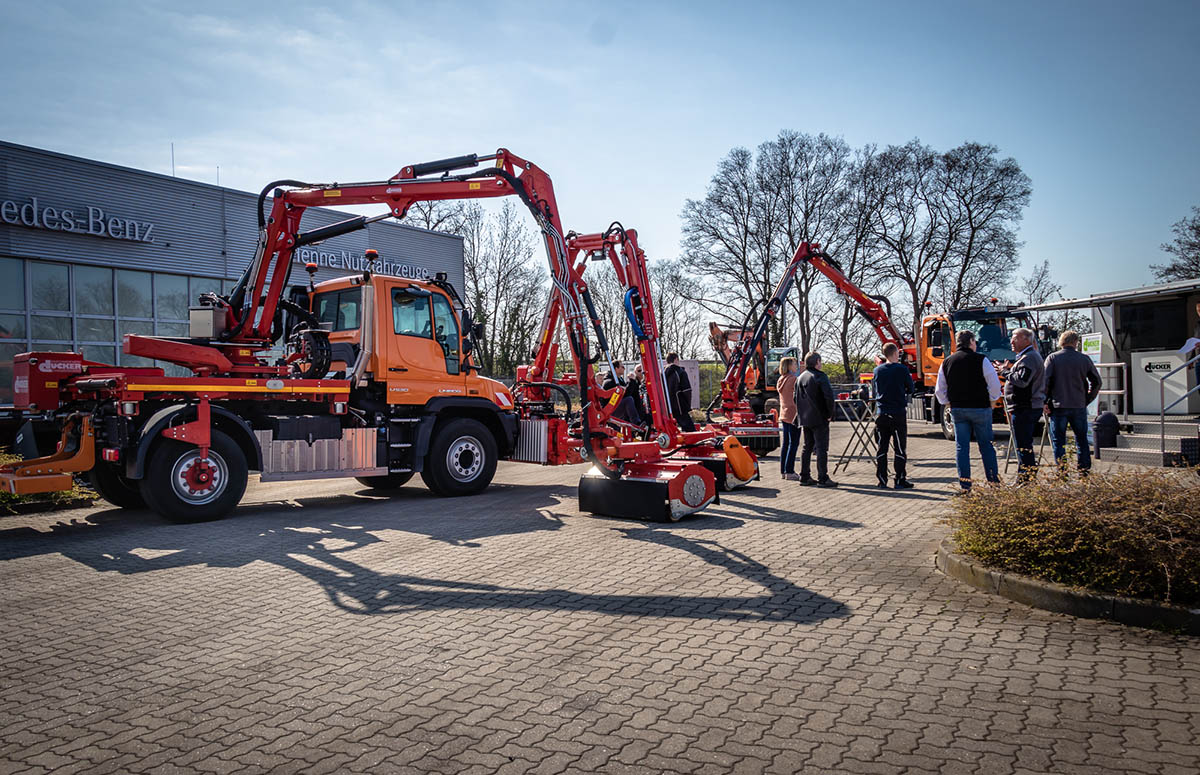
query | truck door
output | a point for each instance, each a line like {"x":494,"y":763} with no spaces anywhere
{"x":421,"y":365}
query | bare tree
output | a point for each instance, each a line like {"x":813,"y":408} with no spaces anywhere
{"x":438,"y":216}
{"x":1185,"y":249}
{"x":681,"y":323}
{"x":719,"y":237}
{"x":1039,"y":288}
{"x":949,"y":221}
{"x":985,"y":197}
{"x":506,"y":289}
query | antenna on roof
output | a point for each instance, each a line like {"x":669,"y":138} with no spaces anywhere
{"x":172,"y":159}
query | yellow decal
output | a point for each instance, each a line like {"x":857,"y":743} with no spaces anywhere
{"x":245,"y":352}
{"x":473,"y":186}
{"x":51,"y":384}
{"x":612,"y":401}
{"x":332,"y":192}
{"x":251,"y":382}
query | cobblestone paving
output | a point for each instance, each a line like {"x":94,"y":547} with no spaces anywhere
{"x":322,"y":629}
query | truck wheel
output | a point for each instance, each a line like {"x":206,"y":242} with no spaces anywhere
{"x":179,"y":488}
{"x":114,"y":488}
{"x":388,"y":482}
{"x":461,"y":459}
{"x":947,"y":421}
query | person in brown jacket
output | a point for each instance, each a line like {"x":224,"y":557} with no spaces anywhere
{"x":785,"y":387}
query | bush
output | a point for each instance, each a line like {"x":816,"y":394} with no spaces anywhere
{"x":1134,"y":533}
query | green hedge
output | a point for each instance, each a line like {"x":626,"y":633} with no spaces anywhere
{"x":1134,"y":533}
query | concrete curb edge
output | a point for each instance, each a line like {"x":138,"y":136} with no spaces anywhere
{"x":1065,"y":600}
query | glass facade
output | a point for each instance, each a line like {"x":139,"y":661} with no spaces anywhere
{"x":46,"y":305}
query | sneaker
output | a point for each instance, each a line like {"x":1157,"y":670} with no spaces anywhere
{"x":904,"y":484}
{"x":792,"y":477}
{"x":807,"y":482}
{"x":827,"y":483}
{"x":883,"y":485}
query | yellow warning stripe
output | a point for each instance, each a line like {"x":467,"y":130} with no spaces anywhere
{"x":233,"y":389}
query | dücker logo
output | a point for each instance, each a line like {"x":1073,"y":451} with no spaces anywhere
{"x":1153,"y":366}
{"x":94,"y":221}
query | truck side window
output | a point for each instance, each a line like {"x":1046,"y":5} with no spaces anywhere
{"x":445,"y":326}
{"x":410,"y":314}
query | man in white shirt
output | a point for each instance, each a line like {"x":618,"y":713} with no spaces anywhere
{"x":967,"y":386}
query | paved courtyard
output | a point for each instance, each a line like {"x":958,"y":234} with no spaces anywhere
{"x":325,"y":629}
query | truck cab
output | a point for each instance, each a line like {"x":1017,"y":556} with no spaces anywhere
{"x":419,"y":340}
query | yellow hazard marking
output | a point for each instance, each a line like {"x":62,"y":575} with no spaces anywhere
{"x":332,"y":192}
{"x":473,"y":186}
{"x":231,"y":389}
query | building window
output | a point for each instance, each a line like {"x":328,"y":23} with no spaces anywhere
{"x":170,"y":296}
{"x":134,"y":294}
{"x":50,"y":284}
{"x":12,"y":284}
{"x":93,"y":290}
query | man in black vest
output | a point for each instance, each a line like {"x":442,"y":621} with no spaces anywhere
{"x":967,"y":386}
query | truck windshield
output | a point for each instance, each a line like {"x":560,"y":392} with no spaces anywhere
{"x":338,"y":308}
{"x":992,"y":334}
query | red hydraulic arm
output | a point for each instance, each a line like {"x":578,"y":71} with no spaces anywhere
{"x":873,"y":308}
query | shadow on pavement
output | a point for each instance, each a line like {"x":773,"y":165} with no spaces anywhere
{"x":312,"y":537}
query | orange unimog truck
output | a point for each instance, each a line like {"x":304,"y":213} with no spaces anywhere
{"x":378,"y":382}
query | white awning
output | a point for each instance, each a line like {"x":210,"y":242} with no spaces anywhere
{"x":1177,"y":288}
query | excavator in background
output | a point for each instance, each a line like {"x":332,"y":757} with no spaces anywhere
{"x":378,"y":381}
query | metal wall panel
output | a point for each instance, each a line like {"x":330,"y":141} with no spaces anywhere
{"x":198,"y":229}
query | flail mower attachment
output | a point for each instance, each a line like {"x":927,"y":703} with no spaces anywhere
{"x":662,"y":491}
{"x":731,"y":464}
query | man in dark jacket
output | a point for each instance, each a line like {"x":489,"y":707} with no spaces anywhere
{"x":1025,"y":394}
{"x":679,"y":393}
{"x":814,"y":411}
{"x":893,"y":385}
{"x":1072,"y":382}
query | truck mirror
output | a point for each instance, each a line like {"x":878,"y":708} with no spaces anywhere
{"x":477,"y":331}
{"x":935,"y":337}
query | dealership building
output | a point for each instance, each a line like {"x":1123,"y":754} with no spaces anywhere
{"x":90,"y":251}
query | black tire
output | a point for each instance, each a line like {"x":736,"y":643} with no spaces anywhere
{"x":166,"y":489}
{"x":461,"y":459}
{"x":115,"y":488}
{"x":946,"y":420}
{"x":387,"y":482}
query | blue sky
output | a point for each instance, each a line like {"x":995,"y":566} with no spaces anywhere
{"x":629,"y":106}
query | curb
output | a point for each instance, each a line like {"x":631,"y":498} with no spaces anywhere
{"x":37,"y":507}
{"x":1065,"y":600}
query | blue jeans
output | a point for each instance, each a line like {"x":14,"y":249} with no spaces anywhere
{"x":977,"y":423}
{"x":1077,"y":420}
{"x":787,"y":453}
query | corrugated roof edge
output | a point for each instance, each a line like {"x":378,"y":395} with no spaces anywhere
{"x":190,"y":182}
{"x":1112,"y":297}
